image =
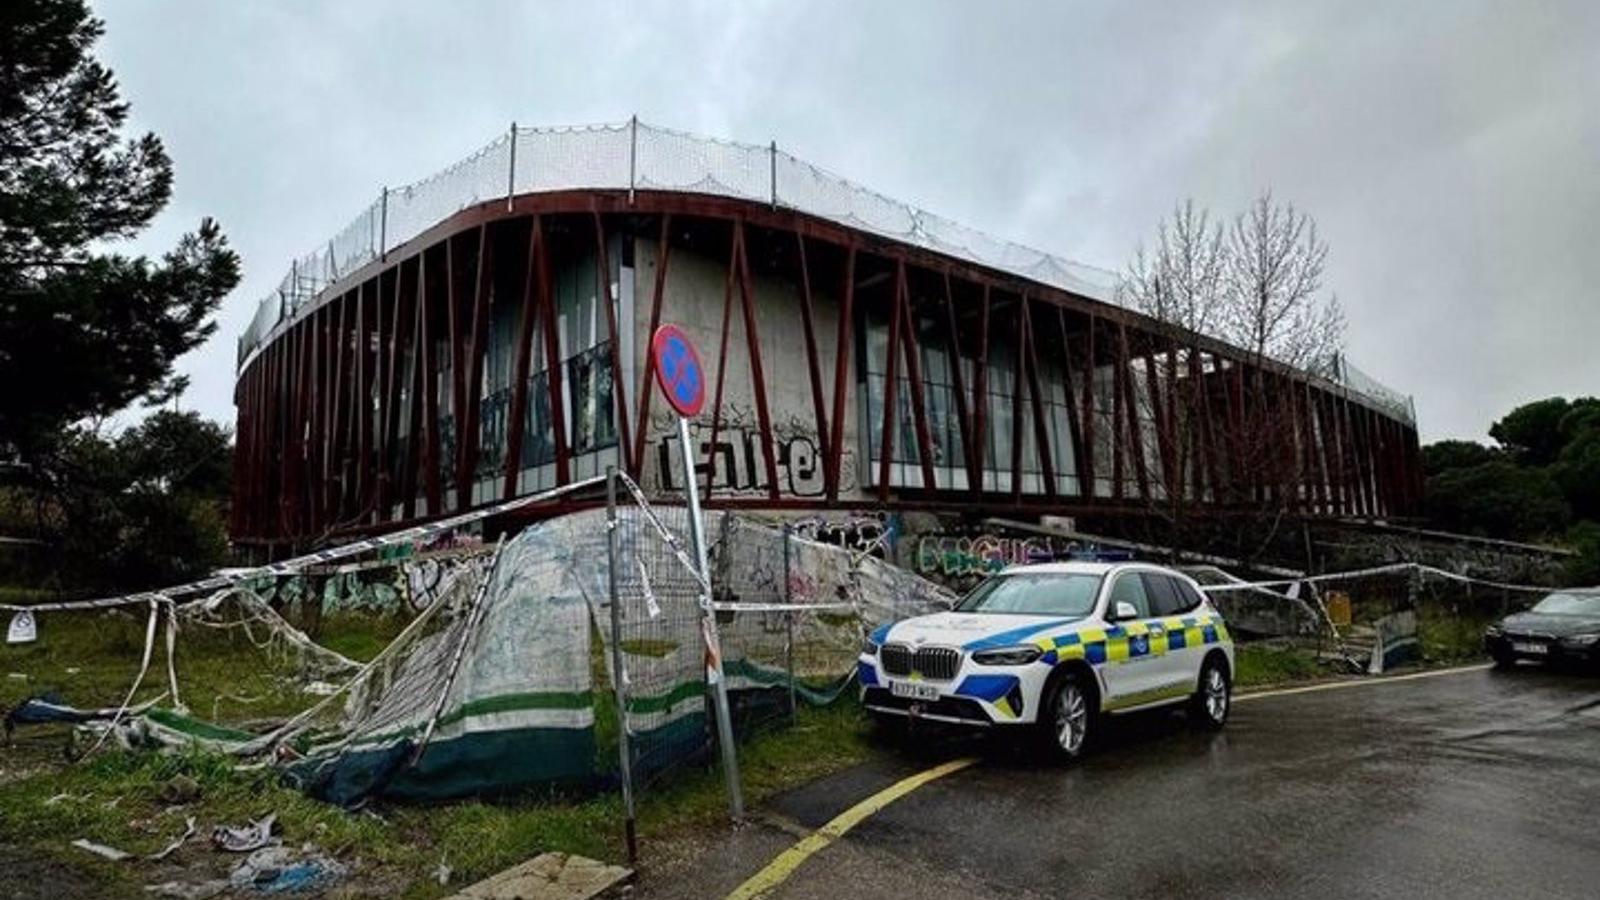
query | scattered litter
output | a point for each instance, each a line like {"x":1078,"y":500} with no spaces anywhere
{"x":102,"y":850}
{"x":19,"y":676}
{"x":245,"y":838}
{"x":188,"y":832}
{"x":280,"y":869}
{"x":73,"y":670}
{"x":180,"y":790}
{"x":57,"y":799}
{"x":442,"y":873}
{"x":200,"y":890}
{"x":320,"y":689}
{"x":112,"y":853}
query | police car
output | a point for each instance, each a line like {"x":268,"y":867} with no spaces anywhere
{"x":1050,"y":648}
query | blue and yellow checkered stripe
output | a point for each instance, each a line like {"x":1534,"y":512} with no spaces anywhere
{"x":1133,"y":640}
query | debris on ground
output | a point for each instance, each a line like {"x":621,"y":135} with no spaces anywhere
{"x":106,"y":851}
{"x":245,"y":838}
{"x":163,"y":853}
{"x":280,"y":869}
{"x":101,"y":850}
{"x":549,"y":876}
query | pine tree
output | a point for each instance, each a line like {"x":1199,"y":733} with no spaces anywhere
{"x":84,"y":331}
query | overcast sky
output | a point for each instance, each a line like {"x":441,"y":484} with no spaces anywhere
{"x":1450,"y":151}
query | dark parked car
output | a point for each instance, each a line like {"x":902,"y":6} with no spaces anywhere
{"x":1564,"y":627}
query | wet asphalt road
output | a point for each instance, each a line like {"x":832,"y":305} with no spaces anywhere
{"x":1474,"y":784}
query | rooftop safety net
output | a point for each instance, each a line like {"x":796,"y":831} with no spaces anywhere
{"x":636,"y":156}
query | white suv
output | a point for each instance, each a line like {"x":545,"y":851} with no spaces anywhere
{"x":1052,"y":647}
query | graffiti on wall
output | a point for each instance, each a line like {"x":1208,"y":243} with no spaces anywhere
{"x":873,"y":535}
{"x":965,"y":555}
{"x":736,"y":459}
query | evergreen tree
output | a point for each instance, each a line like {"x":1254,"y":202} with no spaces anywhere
{"x":86,"y":331}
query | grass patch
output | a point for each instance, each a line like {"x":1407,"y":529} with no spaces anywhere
{"x":114,"y":799}
{"x":1262,"y":664}
{"x":1449,"y":637}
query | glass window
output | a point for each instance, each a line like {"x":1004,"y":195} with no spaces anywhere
{"x":1569,"y":605}
{"x":1191,"y":596}
{"x":1038,"y":594}
{"x":1129,"y":588}
{"x":1165,"y":597}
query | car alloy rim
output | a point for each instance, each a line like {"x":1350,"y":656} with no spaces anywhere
{"x":1216,"y":695}
{"x":1071,"y":718}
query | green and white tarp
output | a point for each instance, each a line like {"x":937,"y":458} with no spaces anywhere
{"x":530,"y":702}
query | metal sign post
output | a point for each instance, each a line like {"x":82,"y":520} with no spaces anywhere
{"x":618,"y":678}
{"x":682,"y":380}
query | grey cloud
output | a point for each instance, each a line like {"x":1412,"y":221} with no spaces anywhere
{"x":1448,"y":149}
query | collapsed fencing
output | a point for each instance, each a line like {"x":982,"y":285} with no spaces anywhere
{"x":507,"y":677}
{"x":547,"y":663}
{"x":1369,"y":619}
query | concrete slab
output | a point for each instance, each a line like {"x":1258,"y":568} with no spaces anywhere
{"x":549,"y":876}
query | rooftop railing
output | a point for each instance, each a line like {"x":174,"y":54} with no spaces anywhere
{"x":636,"y":156}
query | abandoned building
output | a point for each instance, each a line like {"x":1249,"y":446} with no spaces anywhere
{"x":484,"y":334}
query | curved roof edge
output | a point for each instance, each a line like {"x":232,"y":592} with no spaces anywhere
{"x":636,"y":156}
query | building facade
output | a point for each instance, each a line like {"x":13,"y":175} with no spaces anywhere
{"x":498,"y":347}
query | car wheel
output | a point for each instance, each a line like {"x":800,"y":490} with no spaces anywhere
{"x":1067,"y":718}
{"x":1212,"y":701}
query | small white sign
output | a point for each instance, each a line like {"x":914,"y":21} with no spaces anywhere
{"x":23,"y":630}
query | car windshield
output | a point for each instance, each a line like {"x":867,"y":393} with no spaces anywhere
{"x":1037,"y":594}
{"x":1569,"y":605}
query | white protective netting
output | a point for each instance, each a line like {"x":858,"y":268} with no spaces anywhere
{"x":636,"y":156}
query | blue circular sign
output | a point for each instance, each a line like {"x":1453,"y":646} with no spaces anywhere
{"x":678,"y":370}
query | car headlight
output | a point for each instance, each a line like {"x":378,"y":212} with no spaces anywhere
{"x":1581,"y":640}
{"x":869,"y":648}
{"x":1007,"y":656}
{"x":1493,"y":631}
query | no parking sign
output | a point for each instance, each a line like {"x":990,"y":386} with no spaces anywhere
{"x":678,"y":370}
{"x":683,"y":381}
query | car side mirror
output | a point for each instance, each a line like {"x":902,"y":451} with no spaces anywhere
{"x":1124,"y":610}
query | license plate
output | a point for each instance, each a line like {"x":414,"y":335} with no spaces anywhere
{"x":1536,"y":649}
{"x":913,"y":690}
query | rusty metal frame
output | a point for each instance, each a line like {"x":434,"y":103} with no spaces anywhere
{"x":1041,"y":424}
{"x":619,"y":381}
{"x":516,"y":421}
{"x":813,"y":363}
{"x":913,"y":359}
{"x":752,"y":337}
{"x":657,"y":295}
{"x":980,"y":397}
{"x":844,"y":352}
{"x":890,"y":418}
{"x":555,"y":364}
{"x":317,"y":446}
{"x":959,"y":384}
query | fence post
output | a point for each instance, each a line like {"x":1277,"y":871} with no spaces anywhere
{"x":633,"y":154}
{"x":772,"y":164}
{"x":624,"y":753}
{"x":383,"y":227}
{"x":511,"y":170}
{"x":788,"y":619}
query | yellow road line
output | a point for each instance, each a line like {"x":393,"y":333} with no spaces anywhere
{"x":1363,"y":682}
{"x":764,"y":881}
